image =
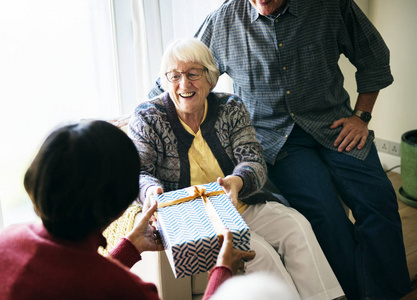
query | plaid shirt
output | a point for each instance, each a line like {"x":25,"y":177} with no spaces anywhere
{"x":285,"y":68}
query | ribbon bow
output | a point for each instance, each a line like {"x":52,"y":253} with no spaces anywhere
{"x":199,"y":191}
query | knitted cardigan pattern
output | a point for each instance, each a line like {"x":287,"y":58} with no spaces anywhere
{"x":163,"y":143}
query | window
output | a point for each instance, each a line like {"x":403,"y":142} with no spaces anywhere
{"x":157,"y":23}
{"x":58,"y":65}
{"x":66,"y":60}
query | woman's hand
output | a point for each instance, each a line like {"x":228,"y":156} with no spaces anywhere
{"x":233,"y":258}
{"x":144,"y":236}
{"x":151,"y":191}
{"x":231,"y":185}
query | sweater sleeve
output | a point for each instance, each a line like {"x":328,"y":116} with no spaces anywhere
{"x":125,"y":252}
{"x":132,"y":287}
{"x":148,"y":145}
{"x":217,"y":276}
{"x":247,"y":151}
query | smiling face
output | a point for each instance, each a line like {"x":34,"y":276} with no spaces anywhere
{"x":267,"y":7}
{"x":189,"y":96}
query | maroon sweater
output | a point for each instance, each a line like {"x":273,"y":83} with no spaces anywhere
{"x":35,"y":265}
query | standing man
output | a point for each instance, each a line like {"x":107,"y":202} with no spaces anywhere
{"x":283,"y":59}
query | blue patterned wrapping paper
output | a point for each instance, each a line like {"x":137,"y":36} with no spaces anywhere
{"x":187,"y":233}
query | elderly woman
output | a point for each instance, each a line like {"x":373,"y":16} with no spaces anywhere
{"x":84,"y":177}
{"x":190,"y":135}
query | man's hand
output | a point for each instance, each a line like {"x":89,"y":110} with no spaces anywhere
{"x":231,"y":185}
{"x":144,"y":236}
{"x":354,"y":132}
{"x":233,"y":258}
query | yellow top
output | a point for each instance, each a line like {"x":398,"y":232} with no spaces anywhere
{"x":204,"y":167}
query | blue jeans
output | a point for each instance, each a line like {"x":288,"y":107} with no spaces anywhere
{"x":368,"y":257}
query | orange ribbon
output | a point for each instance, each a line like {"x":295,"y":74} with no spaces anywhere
{"x":199,"y":191}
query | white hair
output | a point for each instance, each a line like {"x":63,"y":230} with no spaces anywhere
{"x":189,"y":50}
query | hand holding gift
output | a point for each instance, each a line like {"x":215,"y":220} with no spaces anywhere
{"x":231,"y":185}
{"x":233,"y":258}
{"x":153,"y":190}
{"x":144,"y":236}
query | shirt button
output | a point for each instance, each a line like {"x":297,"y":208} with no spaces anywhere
{"x":276,"y":20}
{"x":292,"y":115}
{"x":284,"y":68}
{"x":280,"y":44}
{"x":286,"y":136}
{"x":288,"y":92}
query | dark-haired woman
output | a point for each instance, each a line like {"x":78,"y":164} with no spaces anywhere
{"x":84,"y":177}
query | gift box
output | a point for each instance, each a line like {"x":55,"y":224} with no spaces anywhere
{"x":189,"y":221}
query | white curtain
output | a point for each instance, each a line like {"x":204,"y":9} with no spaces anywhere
{"x":1,"y":218}
{"x":156,"y":23}
{"x":58,"y":65}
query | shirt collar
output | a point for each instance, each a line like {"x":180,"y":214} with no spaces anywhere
{"x":254,"y":15}
{"x":291,"y":7}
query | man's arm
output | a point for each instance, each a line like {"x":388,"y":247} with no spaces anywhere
{"x":156,"y":90}
{"x":366,"y":101}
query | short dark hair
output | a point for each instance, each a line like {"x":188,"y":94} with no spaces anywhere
{"x":84,"y":176}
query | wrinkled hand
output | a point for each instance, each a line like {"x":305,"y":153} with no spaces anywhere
{"x":153,"y":190}
{"x":232,"y":258}
{"x":231,"y":185}
{"x":354,"y":132}
{"x":144,"y":236}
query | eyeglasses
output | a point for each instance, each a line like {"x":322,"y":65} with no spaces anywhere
{"x":192,"y":74}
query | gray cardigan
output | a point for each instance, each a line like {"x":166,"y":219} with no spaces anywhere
{"x":163,"y":145}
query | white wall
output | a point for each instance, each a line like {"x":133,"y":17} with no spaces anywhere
{"x":395,"y":111}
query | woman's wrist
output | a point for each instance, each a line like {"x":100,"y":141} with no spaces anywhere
{"x":135,"y":239}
